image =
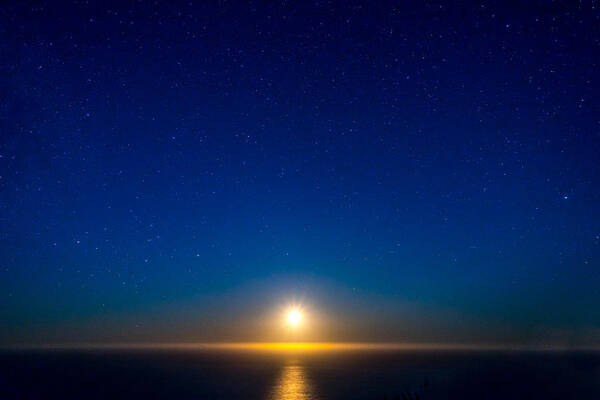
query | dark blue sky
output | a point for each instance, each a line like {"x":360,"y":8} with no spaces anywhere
{"x":408,"y":172}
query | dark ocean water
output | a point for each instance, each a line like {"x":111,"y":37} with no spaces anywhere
{"x":177,"y":374}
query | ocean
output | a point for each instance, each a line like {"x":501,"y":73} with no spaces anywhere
{"x":348,"y":375}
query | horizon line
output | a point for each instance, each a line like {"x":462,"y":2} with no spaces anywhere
{"x":293,"y":346}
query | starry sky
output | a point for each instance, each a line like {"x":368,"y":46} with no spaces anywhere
{"x":180,"y":171}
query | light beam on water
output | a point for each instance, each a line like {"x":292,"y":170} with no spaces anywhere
{"x":293,"y":384}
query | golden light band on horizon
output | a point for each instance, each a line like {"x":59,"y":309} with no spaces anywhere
{"x":294,"y":346}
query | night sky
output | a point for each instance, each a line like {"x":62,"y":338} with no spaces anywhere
{"x":406,"y":172}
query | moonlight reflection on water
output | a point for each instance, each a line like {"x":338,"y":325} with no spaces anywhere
{"x":293,"y":384}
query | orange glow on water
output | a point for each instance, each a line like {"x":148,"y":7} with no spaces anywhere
{"x":293,"y":384}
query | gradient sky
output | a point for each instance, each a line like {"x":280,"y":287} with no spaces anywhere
{"x":409,"y":173}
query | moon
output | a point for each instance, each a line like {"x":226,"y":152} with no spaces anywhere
{"x":294,"y":317}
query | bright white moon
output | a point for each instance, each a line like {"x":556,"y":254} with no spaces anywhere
{"x":294,"y":317}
